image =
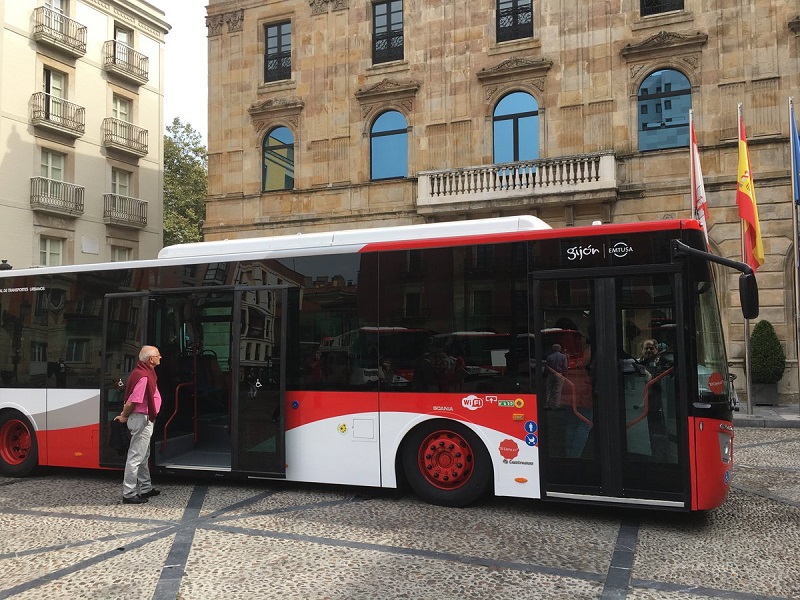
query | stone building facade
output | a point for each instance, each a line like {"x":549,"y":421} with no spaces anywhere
{"x":81,"y":92}
{"x":332,"y":114}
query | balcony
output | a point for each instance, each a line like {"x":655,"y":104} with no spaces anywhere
{"x":125,"y":62}
{"x":56,"y":197}
{"x":583,"y":178}
{"x":124,"y":211}
{"x":54,"y":29}
{"x":56,"y":114}
{"x":124,"y":137}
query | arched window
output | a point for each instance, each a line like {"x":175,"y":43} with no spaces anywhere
{"x":516,"y":128}
{"x":389,"y":146}
{"x":277,"y":161}
{"x":665,"y":98}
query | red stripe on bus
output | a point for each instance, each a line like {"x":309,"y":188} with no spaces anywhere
{"x":503,"y":412}
{"x":711,"y":481}
{"x":72,"y":447}
{"x":534,"y":234}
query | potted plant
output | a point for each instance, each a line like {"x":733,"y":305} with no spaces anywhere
{"x":767,"y":363}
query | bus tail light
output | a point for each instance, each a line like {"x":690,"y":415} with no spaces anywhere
{"x":725,"y":446}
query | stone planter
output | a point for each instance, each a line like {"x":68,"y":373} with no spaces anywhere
{"x":765,"y":394}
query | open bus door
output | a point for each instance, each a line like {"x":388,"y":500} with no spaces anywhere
{"x":618,"y":433}
{"x":123,"y":315}
{"x":264,"y":318}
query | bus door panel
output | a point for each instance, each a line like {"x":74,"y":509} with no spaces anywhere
{"x":610,"y":425}
{"x":123,"y":315}
{"x":264,"y":318}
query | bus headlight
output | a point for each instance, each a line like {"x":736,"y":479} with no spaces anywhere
{"x":725,"y":447}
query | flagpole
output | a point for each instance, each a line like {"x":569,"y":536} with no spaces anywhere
{"x":744,"y":260}
{"x":795,"y":199}
{"x":692,"y":182}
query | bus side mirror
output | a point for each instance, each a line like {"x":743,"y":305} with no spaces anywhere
{"x":748,"y":295}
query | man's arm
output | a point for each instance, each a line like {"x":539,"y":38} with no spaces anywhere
{"x":136,"y":397}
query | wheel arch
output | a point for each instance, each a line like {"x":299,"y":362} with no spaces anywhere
{"x":414,"y":426}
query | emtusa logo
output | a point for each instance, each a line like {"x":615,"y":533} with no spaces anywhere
{"x":581,"y":252}
{"x":620,"y":250}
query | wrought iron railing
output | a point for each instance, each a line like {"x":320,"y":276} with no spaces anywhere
{"x":387,"y":46}
{"x":52,"y":110}
{"x":56,"y":196}
{"x":278,"y":66}
{"x":124,"y":59}
{"x":121,"y":134}
{"x":123,"y":210}
{"x":654,"y":7}
{"x":51,"y":25}
{"x":514,"y":20}
{"x":586,"y":172}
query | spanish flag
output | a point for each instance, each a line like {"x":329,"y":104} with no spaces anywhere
{"x":752,"y":247}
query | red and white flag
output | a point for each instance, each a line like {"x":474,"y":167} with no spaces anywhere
{"x":699,"y":204}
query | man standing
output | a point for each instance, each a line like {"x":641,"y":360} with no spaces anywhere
{"x":142,"y":403}
{"x":556,"y":368}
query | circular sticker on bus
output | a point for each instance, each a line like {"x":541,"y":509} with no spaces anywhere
{"x":715,"y":383}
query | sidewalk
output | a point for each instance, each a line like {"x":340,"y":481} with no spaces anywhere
{"x":782,"y":415}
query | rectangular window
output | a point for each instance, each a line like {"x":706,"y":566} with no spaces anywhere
{"x":77,"y":350}
{"x":413,"y":304}
{"x":52,"y":165}
{"x":514,"y":19}
{"x":121,"y":109}
{"x":51,"y":251}
{"x":120,"y":253}
{"x":654,"y":7}
{"x":120,"y":182}
{"x":123,"y":42}
{"x":387,"y":31}
{"x":278,"y":55}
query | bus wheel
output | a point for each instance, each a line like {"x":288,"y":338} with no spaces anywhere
{"x":18,"y":448}
{"x":446,"y":464}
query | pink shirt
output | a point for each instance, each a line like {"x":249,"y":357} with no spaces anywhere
{"x":137,"y":397}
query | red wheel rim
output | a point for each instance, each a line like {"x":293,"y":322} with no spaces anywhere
{"x":445,"y":460}
{"x":15,"y":442}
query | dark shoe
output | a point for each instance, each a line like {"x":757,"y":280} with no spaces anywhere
{"x":150,"y":494}
{"x":134,"y":500}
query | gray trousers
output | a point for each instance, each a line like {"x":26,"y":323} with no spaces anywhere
{"x":137,"y":471}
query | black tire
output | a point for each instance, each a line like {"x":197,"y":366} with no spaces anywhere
{"x":19,"y":450}
{"x":445,"y":463}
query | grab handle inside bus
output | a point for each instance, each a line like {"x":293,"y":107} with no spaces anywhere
{"x":748,"y":287}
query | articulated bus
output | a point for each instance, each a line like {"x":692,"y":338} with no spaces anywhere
{"x":273,"y":350}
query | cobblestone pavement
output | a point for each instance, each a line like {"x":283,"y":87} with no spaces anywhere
{"x":65,"y":534}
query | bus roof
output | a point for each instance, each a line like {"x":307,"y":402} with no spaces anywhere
{"x":359,"y":240}
{"x":355,"y":237}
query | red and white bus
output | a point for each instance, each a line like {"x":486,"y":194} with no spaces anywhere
{"x":237,"y":322}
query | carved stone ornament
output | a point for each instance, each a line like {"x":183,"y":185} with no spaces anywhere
{"x":665,"y":42}
{"x":276,"y":107}
{"x":320,"y":7}
{"x":214,"y":24}
{"x":388,"y":89}
{"x":514,"y":69}
{"x":235,"y":20}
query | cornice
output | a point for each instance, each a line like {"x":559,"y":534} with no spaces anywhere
{"x":665,"y":41}
{"x":515,"y":68}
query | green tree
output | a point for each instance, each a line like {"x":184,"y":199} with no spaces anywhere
{"x":185,"y":184}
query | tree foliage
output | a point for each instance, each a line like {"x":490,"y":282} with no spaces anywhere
{"x":185,"y":184}
{"x":767,"y":359}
